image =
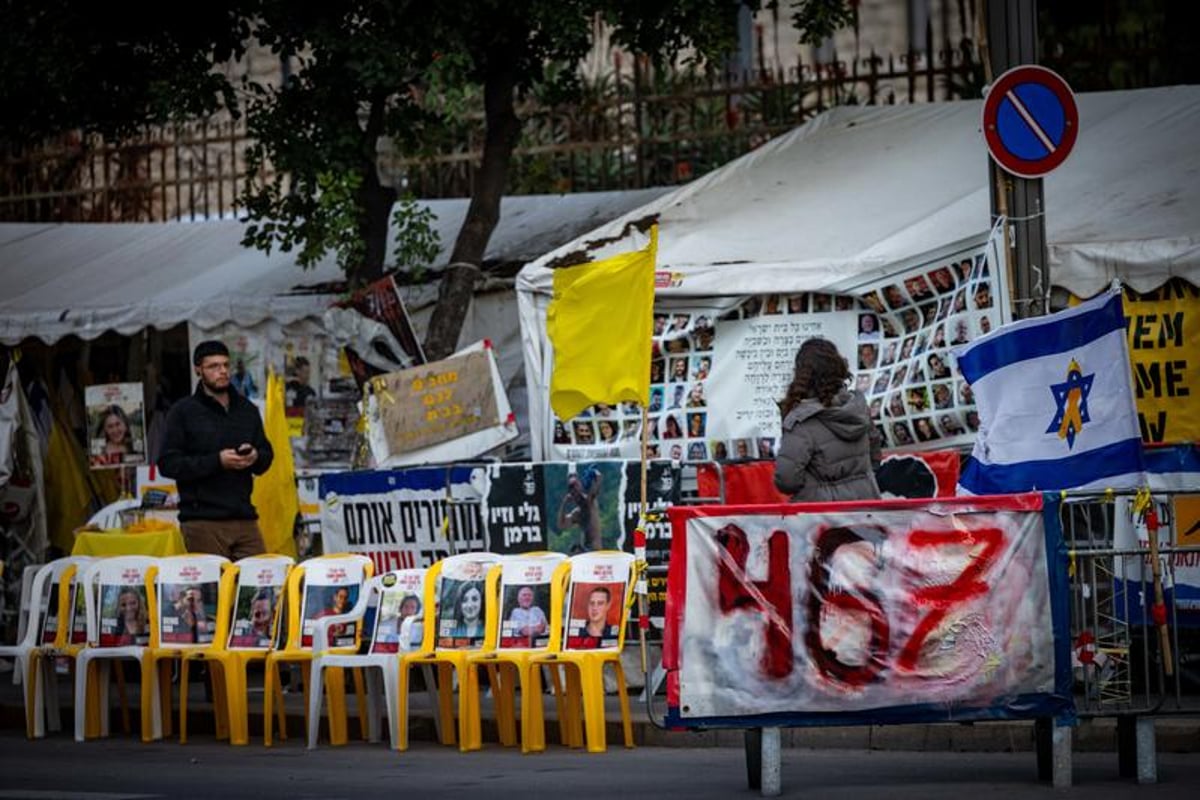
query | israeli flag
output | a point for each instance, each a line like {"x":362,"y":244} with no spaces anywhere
{"x":1056,"y":403}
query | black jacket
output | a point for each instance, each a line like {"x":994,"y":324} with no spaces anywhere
{"x":198,"y":429}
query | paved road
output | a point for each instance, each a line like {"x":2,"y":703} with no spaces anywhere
{"x":124,"y":768}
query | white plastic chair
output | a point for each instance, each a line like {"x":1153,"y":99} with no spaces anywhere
{"x":19,"y":650}
{"x":391,"y":636}
{"x":109,"y":517}
{"x":104,"y":579}
{"x":321,"y":578}
{"x":49,"y":636}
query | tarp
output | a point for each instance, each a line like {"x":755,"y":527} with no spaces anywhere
{"x":860,"y":193}
{"x":858,"y":190}
{"x":85,"y":279}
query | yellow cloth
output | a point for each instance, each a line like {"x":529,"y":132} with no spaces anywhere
{"x":161,"y":542}
{"x":70,"y":486}
{"x":275,"y":496}
{"x":600,"y":322}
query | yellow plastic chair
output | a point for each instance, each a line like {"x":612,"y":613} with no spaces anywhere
{"x":312,"y":586}
{"x":525,"y":609}
{"x":595,"y":584}
{"x":462,"y":622}
{"x":249,"y":608}
{"x":191,"y":617}
{"x":63,"y":634}
{"x":396,"y":600}
{"x":116,"y":589}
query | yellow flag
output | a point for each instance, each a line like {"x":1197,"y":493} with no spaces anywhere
{"x":600,"y":322}
{"x":275,"y":496}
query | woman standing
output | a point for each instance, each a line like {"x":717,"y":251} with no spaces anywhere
{"x":829,"y":449}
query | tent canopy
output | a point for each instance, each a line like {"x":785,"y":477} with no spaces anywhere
{"x":85,"y":279}
{"x":860,"y":191}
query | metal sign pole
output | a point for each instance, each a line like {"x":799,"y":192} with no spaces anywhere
{"x":1012,"y":40}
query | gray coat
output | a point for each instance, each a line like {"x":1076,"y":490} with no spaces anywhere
{"x":828,"y":453}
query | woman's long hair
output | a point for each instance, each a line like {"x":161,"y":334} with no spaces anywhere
{"x":820,"y":373}
{"x":118,"y":412}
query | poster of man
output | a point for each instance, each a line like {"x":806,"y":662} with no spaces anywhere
{"x":594,"y":617}
{"x":585,"y":506}
{"x":524,"y":622}
{"x":322,"y":601}
{"x":116,"y":425}
{"x":124,"y":618}
{"x":254,"y":613}
{"x":188,"y":613}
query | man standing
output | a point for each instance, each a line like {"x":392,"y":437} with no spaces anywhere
{"x":214,"y":446}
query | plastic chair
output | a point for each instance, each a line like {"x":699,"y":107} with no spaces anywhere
{"x":31,"y":618}
{"x":396,"y":598}
{"x":463,"y":622}
{"x":525,"y":589}
{"x":330,"y":584}
{"x":191,"y":616}
{"x":249,"y":609}
{"x":18,"y":650}
{"x":60,"y":632}
{"x":116,"y":586}
{"x":595,"y":583}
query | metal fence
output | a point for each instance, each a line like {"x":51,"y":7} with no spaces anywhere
{"x":648,"y":128}
{"x":627,"y":130}
{"x":1121,"y":664}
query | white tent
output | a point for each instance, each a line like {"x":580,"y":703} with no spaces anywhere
{"x":860,"y":192}
{"x":58,"y":280}
{"x":85,"y":279}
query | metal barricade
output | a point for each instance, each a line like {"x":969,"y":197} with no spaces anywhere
{"x":1120,"y":665}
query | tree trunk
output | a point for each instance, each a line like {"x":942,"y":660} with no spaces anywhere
{"x":375,"y":201}
{"x":458,"y":281}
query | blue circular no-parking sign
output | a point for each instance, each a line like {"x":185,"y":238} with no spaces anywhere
{"x":1030,"y":121}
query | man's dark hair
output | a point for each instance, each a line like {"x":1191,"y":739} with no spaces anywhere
{"x":208,"y":348}
{"x":300,"y":361}
{"x":603,"y":590}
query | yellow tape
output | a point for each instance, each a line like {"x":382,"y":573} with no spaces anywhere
{"x":1142,"y":501}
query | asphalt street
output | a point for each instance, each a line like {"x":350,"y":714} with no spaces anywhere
{"x":121,"y":767}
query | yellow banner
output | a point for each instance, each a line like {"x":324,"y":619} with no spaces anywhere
{"x":1164,"y":345}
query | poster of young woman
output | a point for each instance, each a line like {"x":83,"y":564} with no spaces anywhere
{"x":116,"y":418}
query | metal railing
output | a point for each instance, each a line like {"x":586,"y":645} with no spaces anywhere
{"x":628,"y":130}
{"x":1119,"y":662}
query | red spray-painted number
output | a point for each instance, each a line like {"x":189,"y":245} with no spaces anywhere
{"x":941,"y":599}
{"x":854,"y":600}
{"x":772,"y":597}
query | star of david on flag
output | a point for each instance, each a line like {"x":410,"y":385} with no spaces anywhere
{"x":1056,"y":403}
{"x":1071,"y":396}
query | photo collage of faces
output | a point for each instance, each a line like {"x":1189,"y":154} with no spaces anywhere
{"x":679,"y":373}
{"x":904,"y":364}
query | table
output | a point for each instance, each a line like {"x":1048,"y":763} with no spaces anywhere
{"x":165,"y":542}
